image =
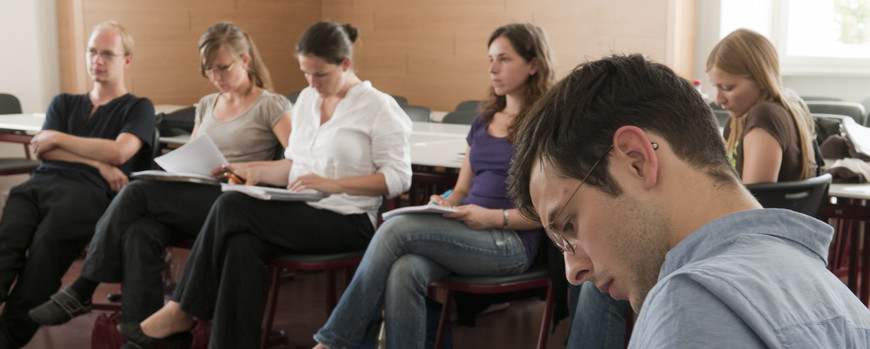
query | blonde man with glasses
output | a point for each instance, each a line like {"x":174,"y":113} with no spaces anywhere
{"x":623,"y":164}
{"x":88,"y":145}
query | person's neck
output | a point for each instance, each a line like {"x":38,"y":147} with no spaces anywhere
{"x":513,"y":105}
{"x":103,"y":92}
{"x":242,"y":93}
{"x":694,"y":199}
{"x":350,"y":81}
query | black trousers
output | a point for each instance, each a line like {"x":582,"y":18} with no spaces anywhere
{"x":46,"y":223}
{"x":130,"y":238}
{"x":225,"y":274}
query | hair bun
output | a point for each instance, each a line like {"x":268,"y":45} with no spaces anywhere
{"x":351,"y":31}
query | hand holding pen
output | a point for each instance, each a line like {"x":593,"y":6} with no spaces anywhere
{"x":233,"y":177}
{"x":440,"y":200}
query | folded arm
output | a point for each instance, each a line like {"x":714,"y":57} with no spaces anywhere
{"x":113,"y":152}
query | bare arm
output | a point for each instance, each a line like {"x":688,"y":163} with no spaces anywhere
{"x":282,"y":129}
{"x":113,"y":152}
{"x":263,"y":172}
{"x":762,"y":157}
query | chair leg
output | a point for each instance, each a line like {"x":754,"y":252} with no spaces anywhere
{"x":443,"y":322}
{"x":330,"y":291}
{"x":548,"y":315}
{"x":271,"y":304}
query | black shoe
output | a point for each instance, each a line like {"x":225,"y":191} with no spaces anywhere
{"x":60,"y":308}
{"x":136,"y":339}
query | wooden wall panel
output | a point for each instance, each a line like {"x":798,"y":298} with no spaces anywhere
{"x":166,"y":32}
{"x":432,"y":52}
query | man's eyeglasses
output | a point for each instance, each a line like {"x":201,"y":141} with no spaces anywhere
{"x":107,"y":55}
{"x":558,"y":239}
{"x":220,"y":70}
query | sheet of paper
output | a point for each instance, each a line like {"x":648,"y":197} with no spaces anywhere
{"x":430,"y":208}
{"x":267,"y":193}
{"x":199,"y":156}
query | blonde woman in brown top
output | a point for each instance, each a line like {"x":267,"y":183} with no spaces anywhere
{"x":769,"y":134}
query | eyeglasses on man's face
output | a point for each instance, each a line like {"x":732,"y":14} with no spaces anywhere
{"x":220,"y":70}
{"x":105,"y":54}
{"x":559,"y":240}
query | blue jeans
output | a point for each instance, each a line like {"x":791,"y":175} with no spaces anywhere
{"x":406,"y":254}
{"x":599,"y":321}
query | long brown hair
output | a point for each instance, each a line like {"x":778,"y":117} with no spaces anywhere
{"x":745,"y":53}
{"x":238,"y":42}
{"x":530,"y":42}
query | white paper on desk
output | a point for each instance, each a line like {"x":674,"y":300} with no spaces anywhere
{"x":859,"y":135}
{"x":430,"y":208}
{"x":199,"y":156}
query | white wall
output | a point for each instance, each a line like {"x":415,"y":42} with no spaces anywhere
{"x":29,"y":66}
{"x":850,"y":89}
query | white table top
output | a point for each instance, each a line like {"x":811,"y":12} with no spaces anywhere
{"x":850,"y":191}
{"x":22,"y":123}
{"x":432,"y":143}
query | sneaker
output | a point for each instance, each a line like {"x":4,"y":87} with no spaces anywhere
{"x":60,"y":308}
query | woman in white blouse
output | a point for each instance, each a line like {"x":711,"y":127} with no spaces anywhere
{"x":349,"y":140}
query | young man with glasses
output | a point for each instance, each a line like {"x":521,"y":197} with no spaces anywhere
{"x":88,"y":145}
{"x":624,"y":165}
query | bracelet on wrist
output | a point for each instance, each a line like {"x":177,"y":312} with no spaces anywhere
{"x":506,"y":217}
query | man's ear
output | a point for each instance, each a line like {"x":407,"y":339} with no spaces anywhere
{"x":128,"y":59}
{"x":636,"y":153}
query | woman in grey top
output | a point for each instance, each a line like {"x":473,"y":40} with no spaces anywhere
{"x":246,"y":122}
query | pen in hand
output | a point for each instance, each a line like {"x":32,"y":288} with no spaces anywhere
{"x":443,"y":196}
{"x":232,"y":175}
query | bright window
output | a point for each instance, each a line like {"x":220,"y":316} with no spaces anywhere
{"x":813,"y":37}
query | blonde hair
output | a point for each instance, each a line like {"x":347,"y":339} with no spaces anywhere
{"x":126,"y":38}
{"x":747,"y":54}
{"x":238,"y":42}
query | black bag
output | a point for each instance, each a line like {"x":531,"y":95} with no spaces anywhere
{"x":177,"y":123}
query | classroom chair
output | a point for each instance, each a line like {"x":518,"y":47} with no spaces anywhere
{"x":807,"y":196}
{"x":401,"y":100}
{"x":821,"y":98}
{"x":9,"y":104}
{"x":459,"y":117}
{"x":417,"y":113}
{"x":473,"y":106}
{"x":854,"y":110}
{"x":293,"y":97}
{"x":534,"y":278}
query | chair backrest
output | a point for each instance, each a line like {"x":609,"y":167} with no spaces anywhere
{"x":854,"y":110}
{"x":807,"y":196}
{"x":401,"y":100}
{"x":417,"y":113}
{"x":293,"y":97}
{"x":866,"y":104}
{"x":9,"y":104}
{"x":821,"y":98}
{"x":470,"y":106}
{"x":459,"y":117}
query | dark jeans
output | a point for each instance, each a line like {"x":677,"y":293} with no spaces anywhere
{"x":225,"y":273}
{"x":599,"y":321}
{"x":46,"y":224}
{"x":132,"y":235}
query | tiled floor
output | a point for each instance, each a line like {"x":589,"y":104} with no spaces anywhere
{"x":301,"y":311}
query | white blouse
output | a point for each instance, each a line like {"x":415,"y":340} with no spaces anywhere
{"x":368,"y":133}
